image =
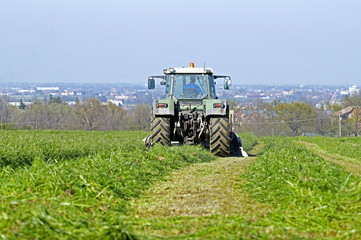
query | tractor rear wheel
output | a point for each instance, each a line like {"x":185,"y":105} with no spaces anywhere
{"x":219,"y":136}
{"x":160,"y":131}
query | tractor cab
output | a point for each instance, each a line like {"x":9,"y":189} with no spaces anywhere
{"x":189,"y":83}
{"x":190,"y":86}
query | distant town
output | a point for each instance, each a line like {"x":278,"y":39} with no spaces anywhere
{"x":129,"y":95}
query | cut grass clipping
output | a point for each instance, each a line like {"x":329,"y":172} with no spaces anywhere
{"x":201,"y":201}
{"x":309,"y":195}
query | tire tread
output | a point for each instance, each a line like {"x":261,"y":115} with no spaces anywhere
{"x":160,"y":131}
{"x":219,"y":136}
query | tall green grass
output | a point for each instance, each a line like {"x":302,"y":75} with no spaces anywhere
{"x":347,"y":146}
{"x":62,"y":193}
{"x":20,"y":148}
{"x":308,"y":194}
{"x":249,"y":140}
{"x":76,"y":185}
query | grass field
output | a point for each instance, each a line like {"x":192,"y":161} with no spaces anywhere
{"x":106,"y":185}
{"x":350,"y":147}
{"x":249,"y":140}
{"x":310,"y":196}
{"x":77,"y":184}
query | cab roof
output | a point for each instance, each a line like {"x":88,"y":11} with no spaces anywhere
{"x":188,"y":70}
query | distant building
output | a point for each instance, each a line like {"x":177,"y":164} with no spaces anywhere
{"x":321,"y":105}
{"x":121,"y":97}
{"x":353,"y":90}
{"x":17,"y":104}
{"x":117,"y":102}
{"x":67,"y":93}
{"x":70,"y":103}
{"x":47,"y":88}
{"x":26,"y":92}
{"x":345,"y":113}
{"x":344,"y":92}
{"x":288,"y":93}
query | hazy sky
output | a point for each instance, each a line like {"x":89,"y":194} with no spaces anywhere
{"x":254,"y":41}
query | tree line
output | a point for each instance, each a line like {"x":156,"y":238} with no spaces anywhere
{"x":275,"y":118}
{"x":299,"y":118}
{"x":90,"y":115}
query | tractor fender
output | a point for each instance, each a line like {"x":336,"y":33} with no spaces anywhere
{"x":163,"y":107}
{"x":216,"y":107}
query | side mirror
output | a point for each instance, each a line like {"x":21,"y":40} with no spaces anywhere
{"x":227,"y":83}
{"x":151,"y":83}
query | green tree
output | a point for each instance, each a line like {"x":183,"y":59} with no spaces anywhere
{"x":299,"y":117}
{"x":140,"y":118}
{"x":91,"y":114}
{"x":114,"y":117}
{"x":22,"y":105}
{"x":54,"y":100}
{"x":324,"y":122}
{"x":57,"y":100}
{"x":354,"y":101}
{"x":233,"y":104}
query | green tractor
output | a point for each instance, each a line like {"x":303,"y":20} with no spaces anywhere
{"x":191,"y":113}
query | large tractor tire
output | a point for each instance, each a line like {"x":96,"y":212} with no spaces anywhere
{"x":219,"y":136}
{"x":160,"y":131}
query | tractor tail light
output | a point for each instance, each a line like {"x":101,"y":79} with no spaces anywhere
{"x":162,"y":105}
{"x":218,"y":105}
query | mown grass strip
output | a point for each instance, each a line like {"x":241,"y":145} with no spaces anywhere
{"x":308,"y":195}
{"x":345,"y":146}
{"x":200,"y":201}
{"x":350,"y":164}
{"x":199,"y":190}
